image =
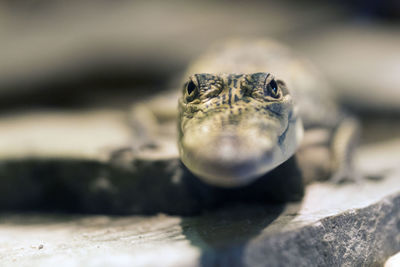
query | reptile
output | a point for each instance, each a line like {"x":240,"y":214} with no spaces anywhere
{"x":244,"y":108}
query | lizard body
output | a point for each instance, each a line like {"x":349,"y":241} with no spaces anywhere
{"x":248,"y":106}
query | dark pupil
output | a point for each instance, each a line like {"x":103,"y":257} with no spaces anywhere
{"x":272,"y":88}
{"x":190,"y":87}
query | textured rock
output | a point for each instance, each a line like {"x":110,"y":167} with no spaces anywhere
{"x":329,"y":228}
{"x":346,"y":225}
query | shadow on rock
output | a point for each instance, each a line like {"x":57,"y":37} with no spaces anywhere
{"x":222,"y":234}
{"x":141,"y":187}
{"x":235,"y":217}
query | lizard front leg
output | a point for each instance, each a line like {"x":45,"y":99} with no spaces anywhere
{"x":344,"y":142}
{"x":327,"y":153}
{"x":153,"y":122}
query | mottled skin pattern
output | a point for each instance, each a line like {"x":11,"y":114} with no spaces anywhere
{"x":237,"y":121}
{"x":245,"y":107}
{"x":235,"y":127}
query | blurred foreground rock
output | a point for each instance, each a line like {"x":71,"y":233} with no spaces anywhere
{"x":83,"y":162}
{"x":351,"y":226}
{"x":67,"y":162}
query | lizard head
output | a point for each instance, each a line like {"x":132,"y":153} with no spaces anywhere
{"x":233,"y":128}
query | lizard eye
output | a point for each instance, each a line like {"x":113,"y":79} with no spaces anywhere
{"x":191,"y":91}
{"x":272,"y":89}
{"x":190,"y":87}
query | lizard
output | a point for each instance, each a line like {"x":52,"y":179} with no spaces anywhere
{"x":246,"y":107}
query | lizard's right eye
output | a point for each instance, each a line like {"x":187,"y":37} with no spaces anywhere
{"x":190,"y":87}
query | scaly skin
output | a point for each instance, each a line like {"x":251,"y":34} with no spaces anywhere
{"x":236,"y":122}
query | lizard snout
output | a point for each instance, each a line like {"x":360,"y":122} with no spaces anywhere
{"x":229,"y":158}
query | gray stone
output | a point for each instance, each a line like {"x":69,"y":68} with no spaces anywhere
{"x":328,"y":228}
{"x":81,"y":171}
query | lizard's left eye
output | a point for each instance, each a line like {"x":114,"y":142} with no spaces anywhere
{"x":272,"y":89}
{"x":190,"y":87}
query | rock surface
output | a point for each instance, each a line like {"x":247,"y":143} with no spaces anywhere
{"x":350,"y":224}
{"x":329,"y":228}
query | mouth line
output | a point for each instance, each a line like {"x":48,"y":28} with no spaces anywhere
{"x":235,"y":157}
{"x":233,"y":170}
{"x":230,"y":177}
{"x":283,"y":135}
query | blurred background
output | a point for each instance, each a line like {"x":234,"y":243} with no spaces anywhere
{"x":104,"y":53}
{"x":69,"y":70}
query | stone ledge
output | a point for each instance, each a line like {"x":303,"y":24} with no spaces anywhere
{"x":350,"y":224}
{"x":241,"y":235}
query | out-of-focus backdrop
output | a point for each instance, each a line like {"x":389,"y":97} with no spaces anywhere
{"x":89,"y":53}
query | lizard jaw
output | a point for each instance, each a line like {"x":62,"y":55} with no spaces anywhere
{"x":227,"y":160}
{"x":232,"y":160}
